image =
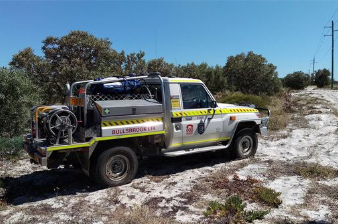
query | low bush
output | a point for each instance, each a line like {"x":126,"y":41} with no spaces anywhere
{"x":245,"y":99}
{"x":10,"y":148}
{"x":297,"y":80}
{"x":314,"y":171}
{"x":280,"y":106}
{"x":232,"y":211}
{"x":267,"y":196}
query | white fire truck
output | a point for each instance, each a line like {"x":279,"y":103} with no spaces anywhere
{"x":109,"y":124}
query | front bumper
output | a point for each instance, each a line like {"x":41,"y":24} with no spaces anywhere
{"x":34,"y":151}
{"x":263,"y":127}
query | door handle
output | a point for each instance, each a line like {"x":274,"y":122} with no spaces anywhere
{"x":177,"y":126}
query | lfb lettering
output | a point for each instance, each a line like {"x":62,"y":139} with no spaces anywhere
{"x":133,"y":130}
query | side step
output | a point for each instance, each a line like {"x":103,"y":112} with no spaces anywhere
{"x":195,"y":150}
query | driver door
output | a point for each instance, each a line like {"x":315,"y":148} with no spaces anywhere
{"x":200,"y":125}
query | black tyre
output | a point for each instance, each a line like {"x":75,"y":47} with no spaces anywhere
{"x":245,"y":144}
{"x":116,"y":166}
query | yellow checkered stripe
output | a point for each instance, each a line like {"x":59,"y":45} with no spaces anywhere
{"x":210,"y":112}
{"x":128,"y":122}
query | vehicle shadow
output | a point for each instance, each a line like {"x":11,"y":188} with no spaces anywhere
{"x":41,"y":185}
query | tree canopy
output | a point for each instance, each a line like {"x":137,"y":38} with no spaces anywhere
{"x":17,"y":95}
{"x":81,"y":56}
{"x":160,"y":65}
{"x":73,"y":57}
{"x":322,"y":77}
{"x":251,"y":73}
{"x":297,"y":80}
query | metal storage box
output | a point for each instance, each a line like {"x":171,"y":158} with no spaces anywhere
{"x":128,"y":107}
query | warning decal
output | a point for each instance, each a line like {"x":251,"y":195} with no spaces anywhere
{"x":175,"y":102}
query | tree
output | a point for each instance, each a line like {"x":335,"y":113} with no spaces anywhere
{"x":251,"y":73}
{"x":216,"y":79}
{"x":297,"y":80}
{"x":322,"y":77}
{"x":17,"y":95}
{"x":134,"y":63}
{"x":212,"y":76}
{"x":159,"y":65}
{"x":76,"y":56}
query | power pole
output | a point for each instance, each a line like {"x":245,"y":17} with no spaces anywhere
{"x":332,"y":54}
{"x":313,"y":68}
{"x":313,"y":65}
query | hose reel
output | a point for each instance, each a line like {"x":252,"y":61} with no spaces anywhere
{"x":61,"y":124}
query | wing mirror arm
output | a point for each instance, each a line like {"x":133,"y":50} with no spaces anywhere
{"x":214,"y":104}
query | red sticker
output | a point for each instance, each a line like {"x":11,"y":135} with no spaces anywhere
{"x":190,"y":129}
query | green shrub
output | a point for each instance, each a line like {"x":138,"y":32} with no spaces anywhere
{"x":240,"y":98}
{"x":233,"y":211}
{"x":251,"y":74}
{"x":268,"y":196}
{"x":322,"y":78}
{"x":297,"y":80}
{"x":10,"y":147}
{"x":17,"y":96}
{"x":254,"y":215}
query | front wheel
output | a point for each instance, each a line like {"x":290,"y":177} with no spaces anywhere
{"x":245,"y":144}
{"x":116,"y":166}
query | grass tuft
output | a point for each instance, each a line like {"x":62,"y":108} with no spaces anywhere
{"x":280,"y":107}
{"x":315,"y":171}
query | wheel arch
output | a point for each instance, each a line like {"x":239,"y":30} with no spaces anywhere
{"x":102,"y":146}
{"x":247,"y":124}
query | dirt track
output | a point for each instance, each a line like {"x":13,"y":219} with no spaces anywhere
{"x":167,"y":186}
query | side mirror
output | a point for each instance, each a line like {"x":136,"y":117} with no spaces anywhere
{"x":68,"y":89}
{"x":68,"y":86}
{"x":68,"y":95}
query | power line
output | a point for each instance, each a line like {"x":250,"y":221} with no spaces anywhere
{"x":321,"y":41}
{"x":326,"y":54}
{"x":322,"y":35}
{"x":332,"y":17}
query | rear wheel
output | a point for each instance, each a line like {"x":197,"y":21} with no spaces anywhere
{"x":116,"y":166}
{"x":245,"y":144}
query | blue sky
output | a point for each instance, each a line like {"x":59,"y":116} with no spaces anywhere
{"x":287,"y":33}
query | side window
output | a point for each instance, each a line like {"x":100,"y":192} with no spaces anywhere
{"x":194,"y":96}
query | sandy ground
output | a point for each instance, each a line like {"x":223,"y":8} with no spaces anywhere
{"x":37,"y":195}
